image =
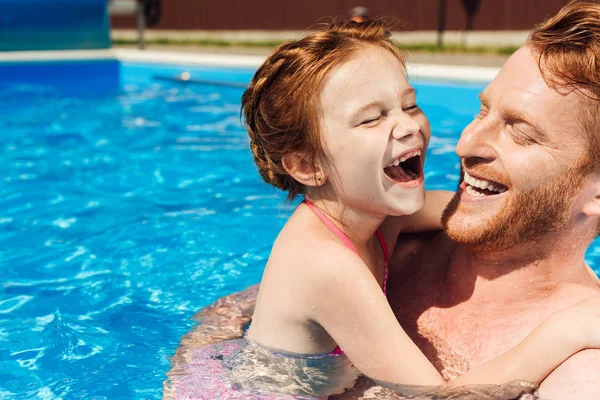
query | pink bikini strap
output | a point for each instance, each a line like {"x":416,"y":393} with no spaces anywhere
{"x":344,"y":238}
{"x":337,"y":231}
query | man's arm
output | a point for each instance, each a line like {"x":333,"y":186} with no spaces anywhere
{"x":577,"y":378}
{"x":223,"y":320}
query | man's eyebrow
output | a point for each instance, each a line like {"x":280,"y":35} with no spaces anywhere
{"x":514,"y":115}
{"x":483,"y":99}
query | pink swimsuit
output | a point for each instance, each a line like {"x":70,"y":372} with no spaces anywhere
{"x":344,"y":238}
{"x":206,"y":375}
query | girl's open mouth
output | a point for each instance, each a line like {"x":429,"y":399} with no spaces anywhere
{"x":407,"y":169}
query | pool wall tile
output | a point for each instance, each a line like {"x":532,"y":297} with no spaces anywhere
{"x":53,"y":25}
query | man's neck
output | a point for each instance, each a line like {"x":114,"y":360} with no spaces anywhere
{"x":509,"y":277}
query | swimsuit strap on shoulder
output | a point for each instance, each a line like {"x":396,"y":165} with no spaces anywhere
{"x":332,"y":227}
{"x":344,"y":238}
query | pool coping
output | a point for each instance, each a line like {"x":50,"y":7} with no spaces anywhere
{"x":427,"y":71}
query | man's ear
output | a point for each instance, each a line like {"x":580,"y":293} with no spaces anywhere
{"x":592,"y":207}
{"x":303,"y":170}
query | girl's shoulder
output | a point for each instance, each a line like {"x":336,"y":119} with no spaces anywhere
{"x":307,"y":247}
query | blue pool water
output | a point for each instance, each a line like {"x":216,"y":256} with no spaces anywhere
{"x":127,"y":203}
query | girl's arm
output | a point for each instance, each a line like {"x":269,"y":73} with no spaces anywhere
{"x":545,"y":348}
{"x":350,"y":305}
{"x":427,"y":218}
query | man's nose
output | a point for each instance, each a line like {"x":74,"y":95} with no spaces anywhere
{"x":476,"y":140}
{"x":405,"y":126}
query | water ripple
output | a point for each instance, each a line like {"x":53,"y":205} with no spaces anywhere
{"x":124,"y":212}
{"x":9,"y":305}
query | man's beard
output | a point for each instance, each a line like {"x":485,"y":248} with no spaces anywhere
{"x":527,"y":217}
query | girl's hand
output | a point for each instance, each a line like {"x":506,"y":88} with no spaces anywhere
{"x":580,"y":323}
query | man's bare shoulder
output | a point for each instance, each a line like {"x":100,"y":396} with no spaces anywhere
{"x":576,"y":378}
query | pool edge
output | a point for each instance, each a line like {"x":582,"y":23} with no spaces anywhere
{"x":426,"y":71}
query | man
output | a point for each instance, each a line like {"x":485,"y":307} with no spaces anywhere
{"x":515,"y":233}
{"x":508,"y":260}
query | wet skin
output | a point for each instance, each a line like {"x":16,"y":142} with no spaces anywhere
{"x":463,"y":306}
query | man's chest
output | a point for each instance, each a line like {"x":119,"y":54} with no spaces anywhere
{"x":458,"y":334}
{"x":460,"y":338}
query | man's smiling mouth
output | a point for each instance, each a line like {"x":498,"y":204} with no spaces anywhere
{"x":405,"y":169}
{"x":481,"y":188}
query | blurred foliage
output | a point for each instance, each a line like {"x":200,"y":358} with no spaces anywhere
{"x":456,"y":48}
{"x":268,"y":44}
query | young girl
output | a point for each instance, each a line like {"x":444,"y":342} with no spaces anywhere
{"x":332,"y":117}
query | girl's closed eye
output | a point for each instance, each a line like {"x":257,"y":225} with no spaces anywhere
{"x":372,"y":120}
{"x":410,"y":108}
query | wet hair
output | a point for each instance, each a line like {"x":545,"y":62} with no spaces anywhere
{"x":568,"y":47}
{"x":281,"y":105}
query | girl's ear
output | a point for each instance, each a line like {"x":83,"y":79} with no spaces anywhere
{"x":303,"y":170}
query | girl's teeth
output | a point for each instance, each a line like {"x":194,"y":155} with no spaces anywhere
{"x":406,"y":157}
